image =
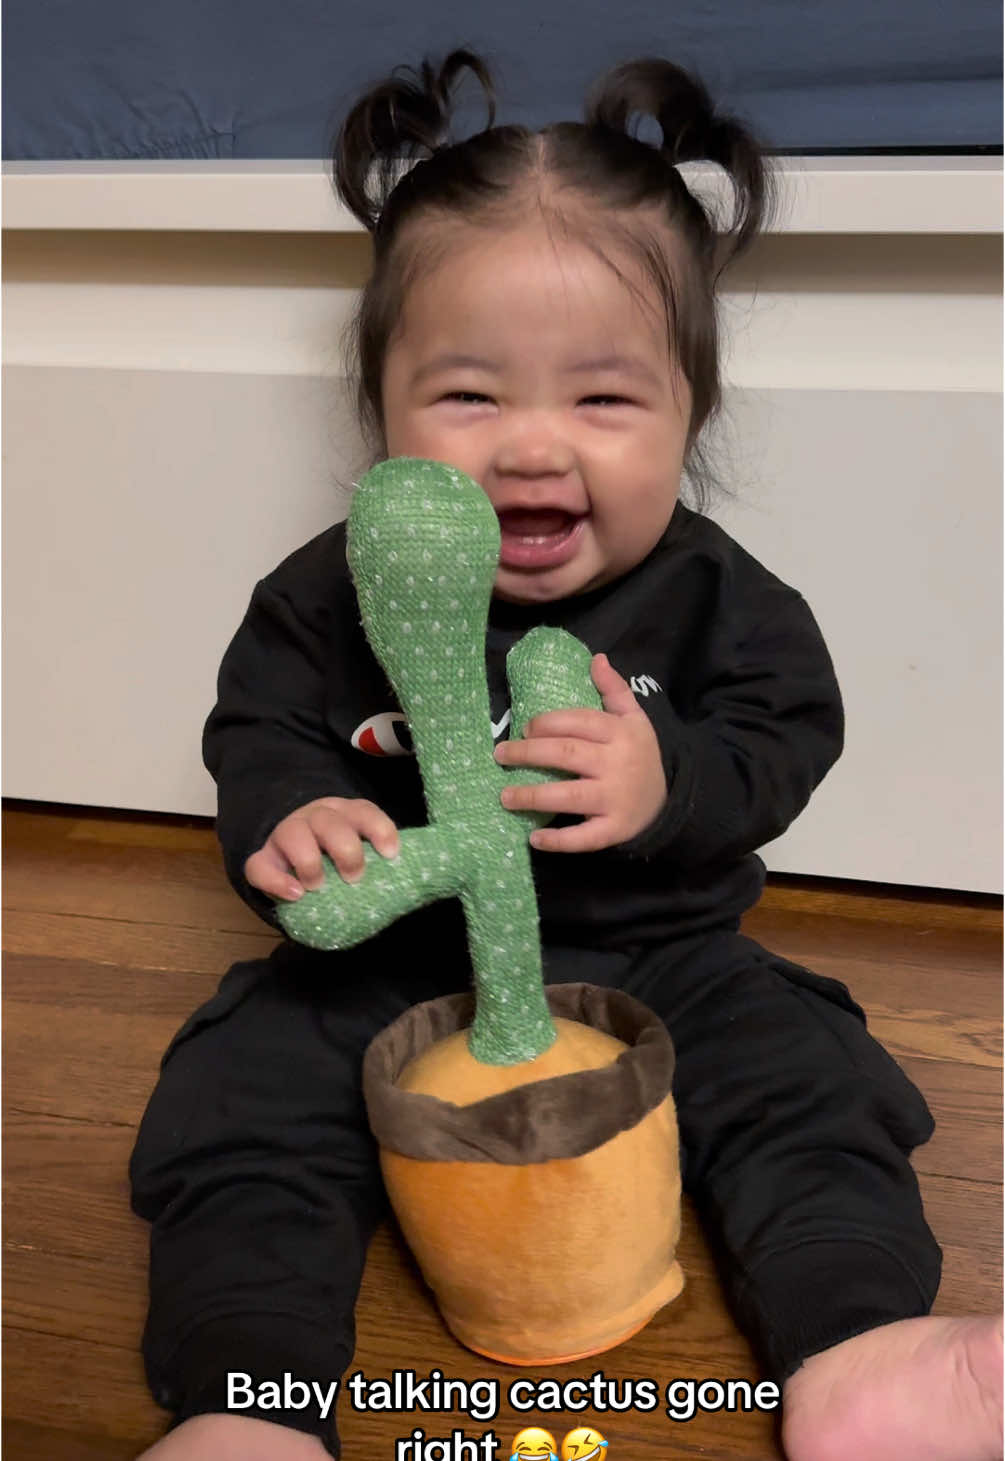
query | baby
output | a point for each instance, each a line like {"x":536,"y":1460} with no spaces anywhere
{"x":542,"y":316}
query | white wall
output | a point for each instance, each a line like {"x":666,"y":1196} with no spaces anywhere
{"x":175,"y":422}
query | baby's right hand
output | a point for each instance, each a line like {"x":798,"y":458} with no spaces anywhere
{"x":334,"y":825}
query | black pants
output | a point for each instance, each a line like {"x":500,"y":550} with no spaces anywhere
{"x":256,"y":1167}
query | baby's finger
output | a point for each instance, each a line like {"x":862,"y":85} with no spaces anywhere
{"x":589,"y":836}
{"x":558,"y":753}
{"x":375,"y":825}
{"x":344,"y":847}
{"x":589,"y":725}
{"x":294,"y":839}
{"x":578,"y":797}
{"x":267,"y":870}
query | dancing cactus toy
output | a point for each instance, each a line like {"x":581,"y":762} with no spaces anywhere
{"x":423,"y":547}
{"x":496,"y":1112}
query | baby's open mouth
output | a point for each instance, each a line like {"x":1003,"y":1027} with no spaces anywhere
{"x":535,"y":526}
{"x":538,"y":538}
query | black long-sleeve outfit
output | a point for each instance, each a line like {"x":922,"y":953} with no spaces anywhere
{"x":727,"y":662}
{"x":731,"y":668}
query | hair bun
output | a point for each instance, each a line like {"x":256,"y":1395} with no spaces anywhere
{"x":693,"y":131}
{"x":398,"y":120}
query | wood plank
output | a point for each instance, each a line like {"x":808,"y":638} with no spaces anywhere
{"x":79,"y":1387}
{"x":803,"y":936}
{"x":76,"y":938}
{"x":67,"y":1189}
{"x":34,"y":1441}
{"x":882,"y":903}
{"x":966,"y":1101}
{"x":100,"y":1298}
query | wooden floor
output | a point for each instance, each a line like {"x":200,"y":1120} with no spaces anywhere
{"x":117,"y":926}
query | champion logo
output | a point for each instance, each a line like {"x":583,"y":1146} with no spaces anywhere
{"x":388,"y":734}
{"x":384,"y":735}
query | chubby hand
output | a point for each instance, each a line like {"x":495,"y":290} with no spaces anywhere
{"x":613,"y":753}
{"x":290,"y":861}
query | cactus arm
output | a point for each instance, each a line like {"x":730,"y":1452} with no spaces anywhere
{"x":548,"y":669}
{"x":339,"y":915}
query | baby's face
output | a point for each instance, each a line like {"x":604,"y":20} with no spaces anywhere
{"x":582,"y":463}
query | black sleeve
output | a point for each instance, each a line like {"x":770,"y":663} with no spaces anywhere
{"x":766,"y":728}
{"x":266,"y":742}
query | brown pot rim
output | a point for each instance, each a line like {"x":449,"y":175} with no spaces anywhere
{"x":560,"y":1117}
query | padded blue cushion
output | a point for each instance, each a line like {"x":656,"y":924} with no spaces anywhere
{"x":249,"y":79}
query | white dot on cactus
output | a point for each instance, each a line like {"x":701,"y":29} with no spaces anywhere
{"x":392,"y":604}
{"x":454,"y":604}
{"x":406,"y":628}
{"x":411,"y":530}
{"x":444,"y":856}
{"x":392,"y":557}
{"x":442,"y":579}
{"x":423,"y":605}
{"x":450,"y":743}
{"x":410,"y":580}
{"x":426,"y":555}
{"x":436,"y":624}
{"x":374,"y":533}
{"x":425,"y":875}
{"x":378,"y":579}
{"x":434,"y":674}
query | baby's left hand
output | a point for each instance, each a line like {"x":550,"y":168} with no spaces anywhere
{"x":613,"y":753}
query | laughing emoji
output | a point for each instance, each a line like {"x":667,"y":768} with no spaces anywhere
{"x":584,"y":1444}
{"x":534,"y":1444}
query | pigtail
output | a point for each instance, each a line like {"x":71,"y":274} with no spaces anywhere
{"x":693,"y":131}
{"x":397,"y":120}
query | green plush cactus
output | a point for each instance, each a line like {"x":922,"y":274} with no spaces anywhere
{"x":423,"y":548}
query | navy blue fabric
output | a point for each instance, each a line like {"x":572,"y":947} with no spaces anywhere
{"x":249,"y":79}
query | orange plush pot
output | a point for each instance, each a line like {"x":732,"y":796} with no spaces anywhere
{"x":541,"y":1200}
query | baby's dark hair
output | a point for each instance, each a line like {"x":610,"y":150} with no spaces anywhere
{"x":578,"y":176}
